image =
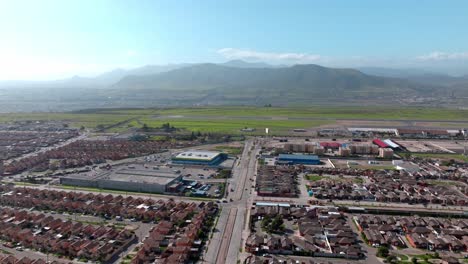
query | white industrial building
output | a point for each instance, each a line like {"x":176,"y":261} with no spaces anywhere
{"x":125,"y":179}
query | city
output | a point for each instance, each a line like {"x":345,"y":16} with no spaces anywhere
{"x":233,"y":132}
{"x":323,"y":195}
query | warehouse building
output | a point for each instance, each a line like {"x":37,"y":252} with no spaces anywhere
{"x":298,"y":159}
{"x":125,"y":179}
{"x":209,"y":158}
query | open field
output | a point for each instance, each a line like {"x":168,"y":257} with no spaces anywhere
{"x":232,"y":126}
{"x":365,"y":113}
{"x":447,"y":156}
{"x":231,"y":120}
{"x":229,"y":150}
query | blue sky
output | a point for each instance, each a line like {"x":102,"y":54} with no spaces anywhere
{"x":45,"y":39}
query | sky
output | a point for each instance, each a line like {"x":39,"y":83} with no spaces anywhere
{"x":50,"y":39}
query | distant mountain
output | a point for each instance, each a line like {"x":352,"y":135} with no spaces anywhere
{"x":244,"y":64}
{"x":236,"y":83}
{"x":397,"y":73}
{"x":111,"y":77}
{"x":99,"y":81}
{"x":416,"y":75}
{"x":296,"y":84}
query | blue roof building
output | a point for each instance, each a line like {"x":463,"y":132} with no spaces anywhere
{"x":299,"y":159}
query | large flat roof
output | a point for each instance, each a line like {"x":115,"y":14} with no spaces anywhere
{"x":163,"y":180}
{"x":301,"y":157}
{"x":138,"y":173}
{"x":198,"y":155}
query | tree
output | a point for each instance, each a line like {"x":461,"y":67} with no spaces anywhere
{"x":382,"y":252}
{"x":414,"y":260}
{"x":145,"y":127}
{"x":391,"y":259}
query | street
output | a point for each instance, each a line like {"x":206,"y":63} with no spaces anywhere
{"x":232,"y":233}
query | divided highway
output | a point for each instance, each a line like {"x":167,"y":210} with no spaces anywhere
{"x":227,"y":241}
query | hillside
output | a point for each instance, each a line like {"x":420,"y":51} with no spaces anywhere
{"x":232,"y":83}
{"x":297,"y":84}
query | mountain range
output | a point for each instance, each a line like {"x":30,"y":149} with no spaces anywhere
{"x":243,"y":83}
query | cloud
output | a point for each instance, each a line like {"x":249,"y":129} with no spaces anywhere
{"x":243,"y":54}
{"x":441,"y":56}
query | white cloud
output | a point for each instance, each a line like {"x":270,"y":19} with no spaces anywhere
{"x":243,"y":54}
{"x":441,"y":56}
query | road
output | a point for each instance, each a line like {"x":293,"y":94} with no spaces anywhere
{"x":232,"y":233}
{"x":304,"y":199}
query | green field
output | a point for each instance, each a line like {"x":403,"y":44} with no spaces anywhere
{"x":231,"y":126}
{"x":312,"y":177}
{"x":371,"y":112}
{"x":230,"y":120}
{"x":229,"y":150}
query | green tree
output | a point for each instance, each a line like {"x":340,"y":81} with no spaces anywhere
{"x":414,"y":260}
{"x":391,"y":259}
{"x":382,"y":252}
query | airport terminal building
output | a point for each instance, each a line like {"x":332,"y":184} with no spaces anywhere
{"x":208,"y":158}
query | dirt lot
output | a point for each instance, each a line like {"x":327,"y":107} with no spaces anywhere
{"x":363,"y":164}
{"x":419,"y":146}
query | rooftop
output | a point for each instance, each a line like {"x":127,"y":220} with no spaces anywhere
{"x":294,"y":156}
{"x":198,"y":155}
{"x":160,"y":179}
{"x":137,"y":173}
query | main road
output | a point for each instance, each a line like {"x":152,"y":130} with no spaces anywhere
{"x":232,"y":227}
